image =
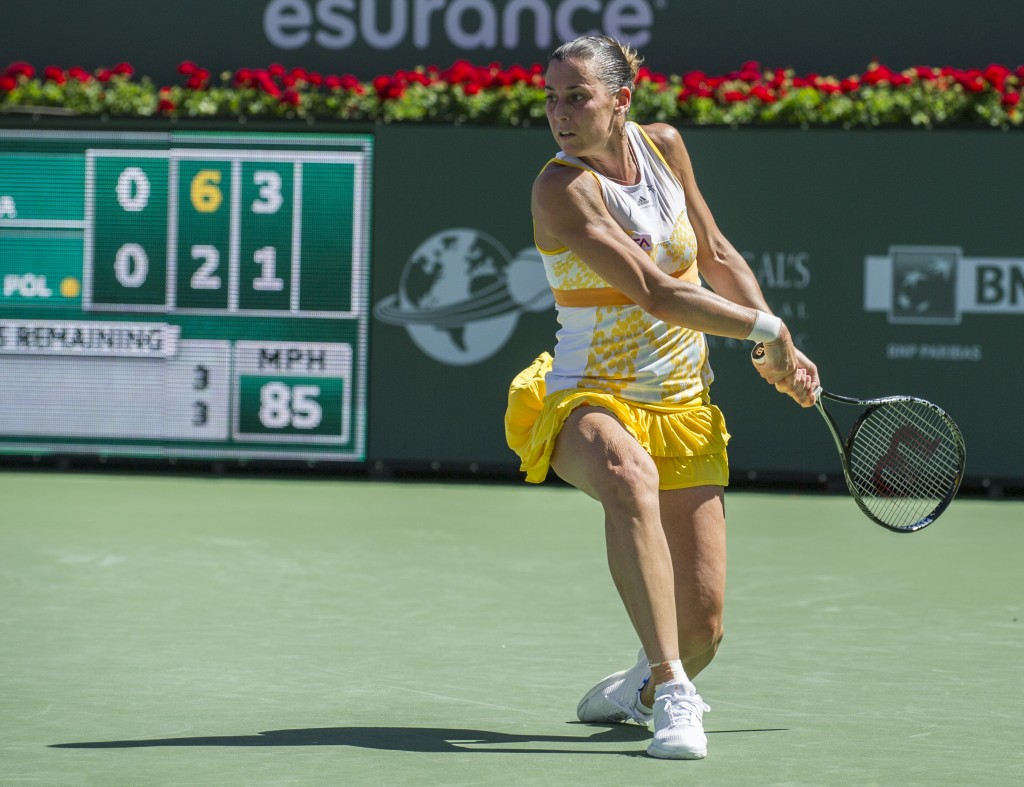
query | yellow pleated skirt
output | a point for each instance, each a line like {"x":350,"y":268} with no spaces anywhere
{"x":686,"y":440}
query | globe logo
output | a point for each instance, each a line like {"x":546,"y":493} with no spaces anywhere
{"x":924,"y":283}
{"x":461,"y":294}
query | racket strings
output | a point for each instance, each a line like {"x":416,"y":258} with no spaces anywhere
{"x":905,"y":461}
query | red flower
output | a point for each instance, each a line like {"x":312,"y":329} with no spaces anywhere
{"x":461,"y":72}
{"x":79,"y":73}
{"x":268,"y":85}
{"x":187,"y":68}
{"x":750,"y":73}
{"x":197,"y":81}
{"x":291,"y":97}
{"x":519,"y":75}
{"x":166,"y":106}
{"x":734,"y":96}
{"x":849,"y":84}
{"x":54,"y":74}
{"x":646,"y":75}
{"x":503,"y":79}
{"x":124,"y":70}
{"x":1010,"y":100}
{"x":997,"y":75}
{"x":388,"y":87}
{"x":346,"y":82}
{"x":20,"y":69}
{"x":694,"y":79}
{"x":471,"y":89}
{"x":879,"y":74}
{"x":971,"y":80}
{"x":764,"y":94}
{"x":7,"y":83}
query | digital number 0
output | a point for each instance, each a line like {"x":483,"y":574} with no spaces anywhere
{"x":131,"y":265}
{"x":133,"y":189}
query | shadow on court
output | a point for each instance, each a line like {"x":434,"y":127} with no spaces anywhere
{"x":411,"y":739}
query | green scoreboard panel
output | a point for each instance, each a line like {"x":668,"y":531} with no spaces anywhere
{"x":184,"y":294}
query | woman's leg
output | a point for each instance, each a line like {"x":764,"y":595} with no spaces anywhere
{"x":596,"y":454}
{"x":694,"y":521}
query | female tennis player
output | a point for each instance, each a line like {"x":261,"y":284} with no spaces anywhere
{"x":622,"y":410}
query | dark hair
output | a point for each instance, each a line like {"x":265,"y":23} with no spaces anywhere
{"x":615,"y":64}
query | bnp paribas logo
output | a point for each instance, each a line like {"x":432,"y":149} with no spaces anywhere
{"x":938,"y":284}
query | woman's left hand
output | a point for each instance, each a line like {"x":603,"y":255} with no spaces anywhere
{"x":803,"y":384}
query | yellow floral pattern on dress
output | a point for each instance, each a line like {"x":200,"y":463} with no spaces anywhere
{"x":568,"y":272}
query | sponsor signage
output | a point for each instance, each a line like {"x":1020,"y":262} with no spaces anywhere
{"x":371,"y":37}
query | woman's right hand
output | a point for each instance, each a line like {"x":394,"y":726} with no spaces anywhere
{"x":775,"y":361}
{"x":801,"y":385}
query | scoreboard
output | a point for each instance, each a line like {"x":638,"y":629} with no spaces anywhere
{"x":184,"y":294}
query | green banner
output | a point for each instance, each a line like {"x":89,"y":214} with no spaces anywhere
{"x":888,"y":254}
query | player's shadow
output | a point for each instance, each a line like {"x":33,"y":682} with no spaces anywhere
{"x":411,"y":739}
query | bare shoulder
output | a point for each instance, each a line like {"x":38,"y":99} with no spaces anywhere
{"x":666,"y":137}
{"x":669,"y":142}
{"x":566,"y":201}
{"x":556,"y":184}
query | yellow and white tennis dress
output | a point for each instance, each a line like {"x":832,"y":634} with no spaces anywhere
{"x":610,"y":353}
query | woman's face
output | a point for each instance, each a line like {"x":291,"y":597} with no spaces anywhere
{"x":583,"y":114}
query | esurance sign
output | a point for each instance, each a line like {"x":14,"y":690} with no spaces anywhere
{"x":473,"y":26}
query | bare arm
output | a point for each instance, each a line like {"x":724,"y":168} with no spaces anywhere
{"x":727,"y":273}
{"x":569,"y":210}
{"x":721,"y":266}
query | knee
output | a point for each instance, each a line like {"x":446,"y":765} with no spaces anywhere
{"x":629,"y":479}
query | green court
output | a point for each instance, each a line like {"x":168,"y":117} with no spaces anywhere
{"x":223,"y":631}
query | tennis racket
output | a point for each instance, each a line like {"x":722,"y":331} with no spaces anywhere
{"x":903,"y":458}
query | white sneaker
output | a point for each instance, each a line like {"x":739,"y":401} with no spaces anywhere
{"x":617,"y":697}
{"x":678,"y":731}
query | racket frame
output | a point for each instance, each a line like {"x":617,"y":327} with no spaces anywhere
{"x":844,"y":447}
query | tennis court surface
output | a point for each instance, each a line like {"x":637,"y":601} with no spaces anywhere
{"x":223,"y":631}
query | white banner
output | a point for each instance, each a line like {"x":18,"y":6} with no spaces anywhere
{"x":937,"y":284}
{"x":65,"y":337}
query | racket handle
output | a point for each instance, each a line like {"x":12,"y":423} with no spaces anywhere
{"x":757,"y":354}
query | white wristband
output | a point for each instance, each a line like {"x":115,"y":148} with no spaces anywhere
{"x":767,"y":328}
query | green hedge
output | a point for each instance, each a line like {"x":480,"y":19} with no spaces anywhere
{"x":924,"y":96}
